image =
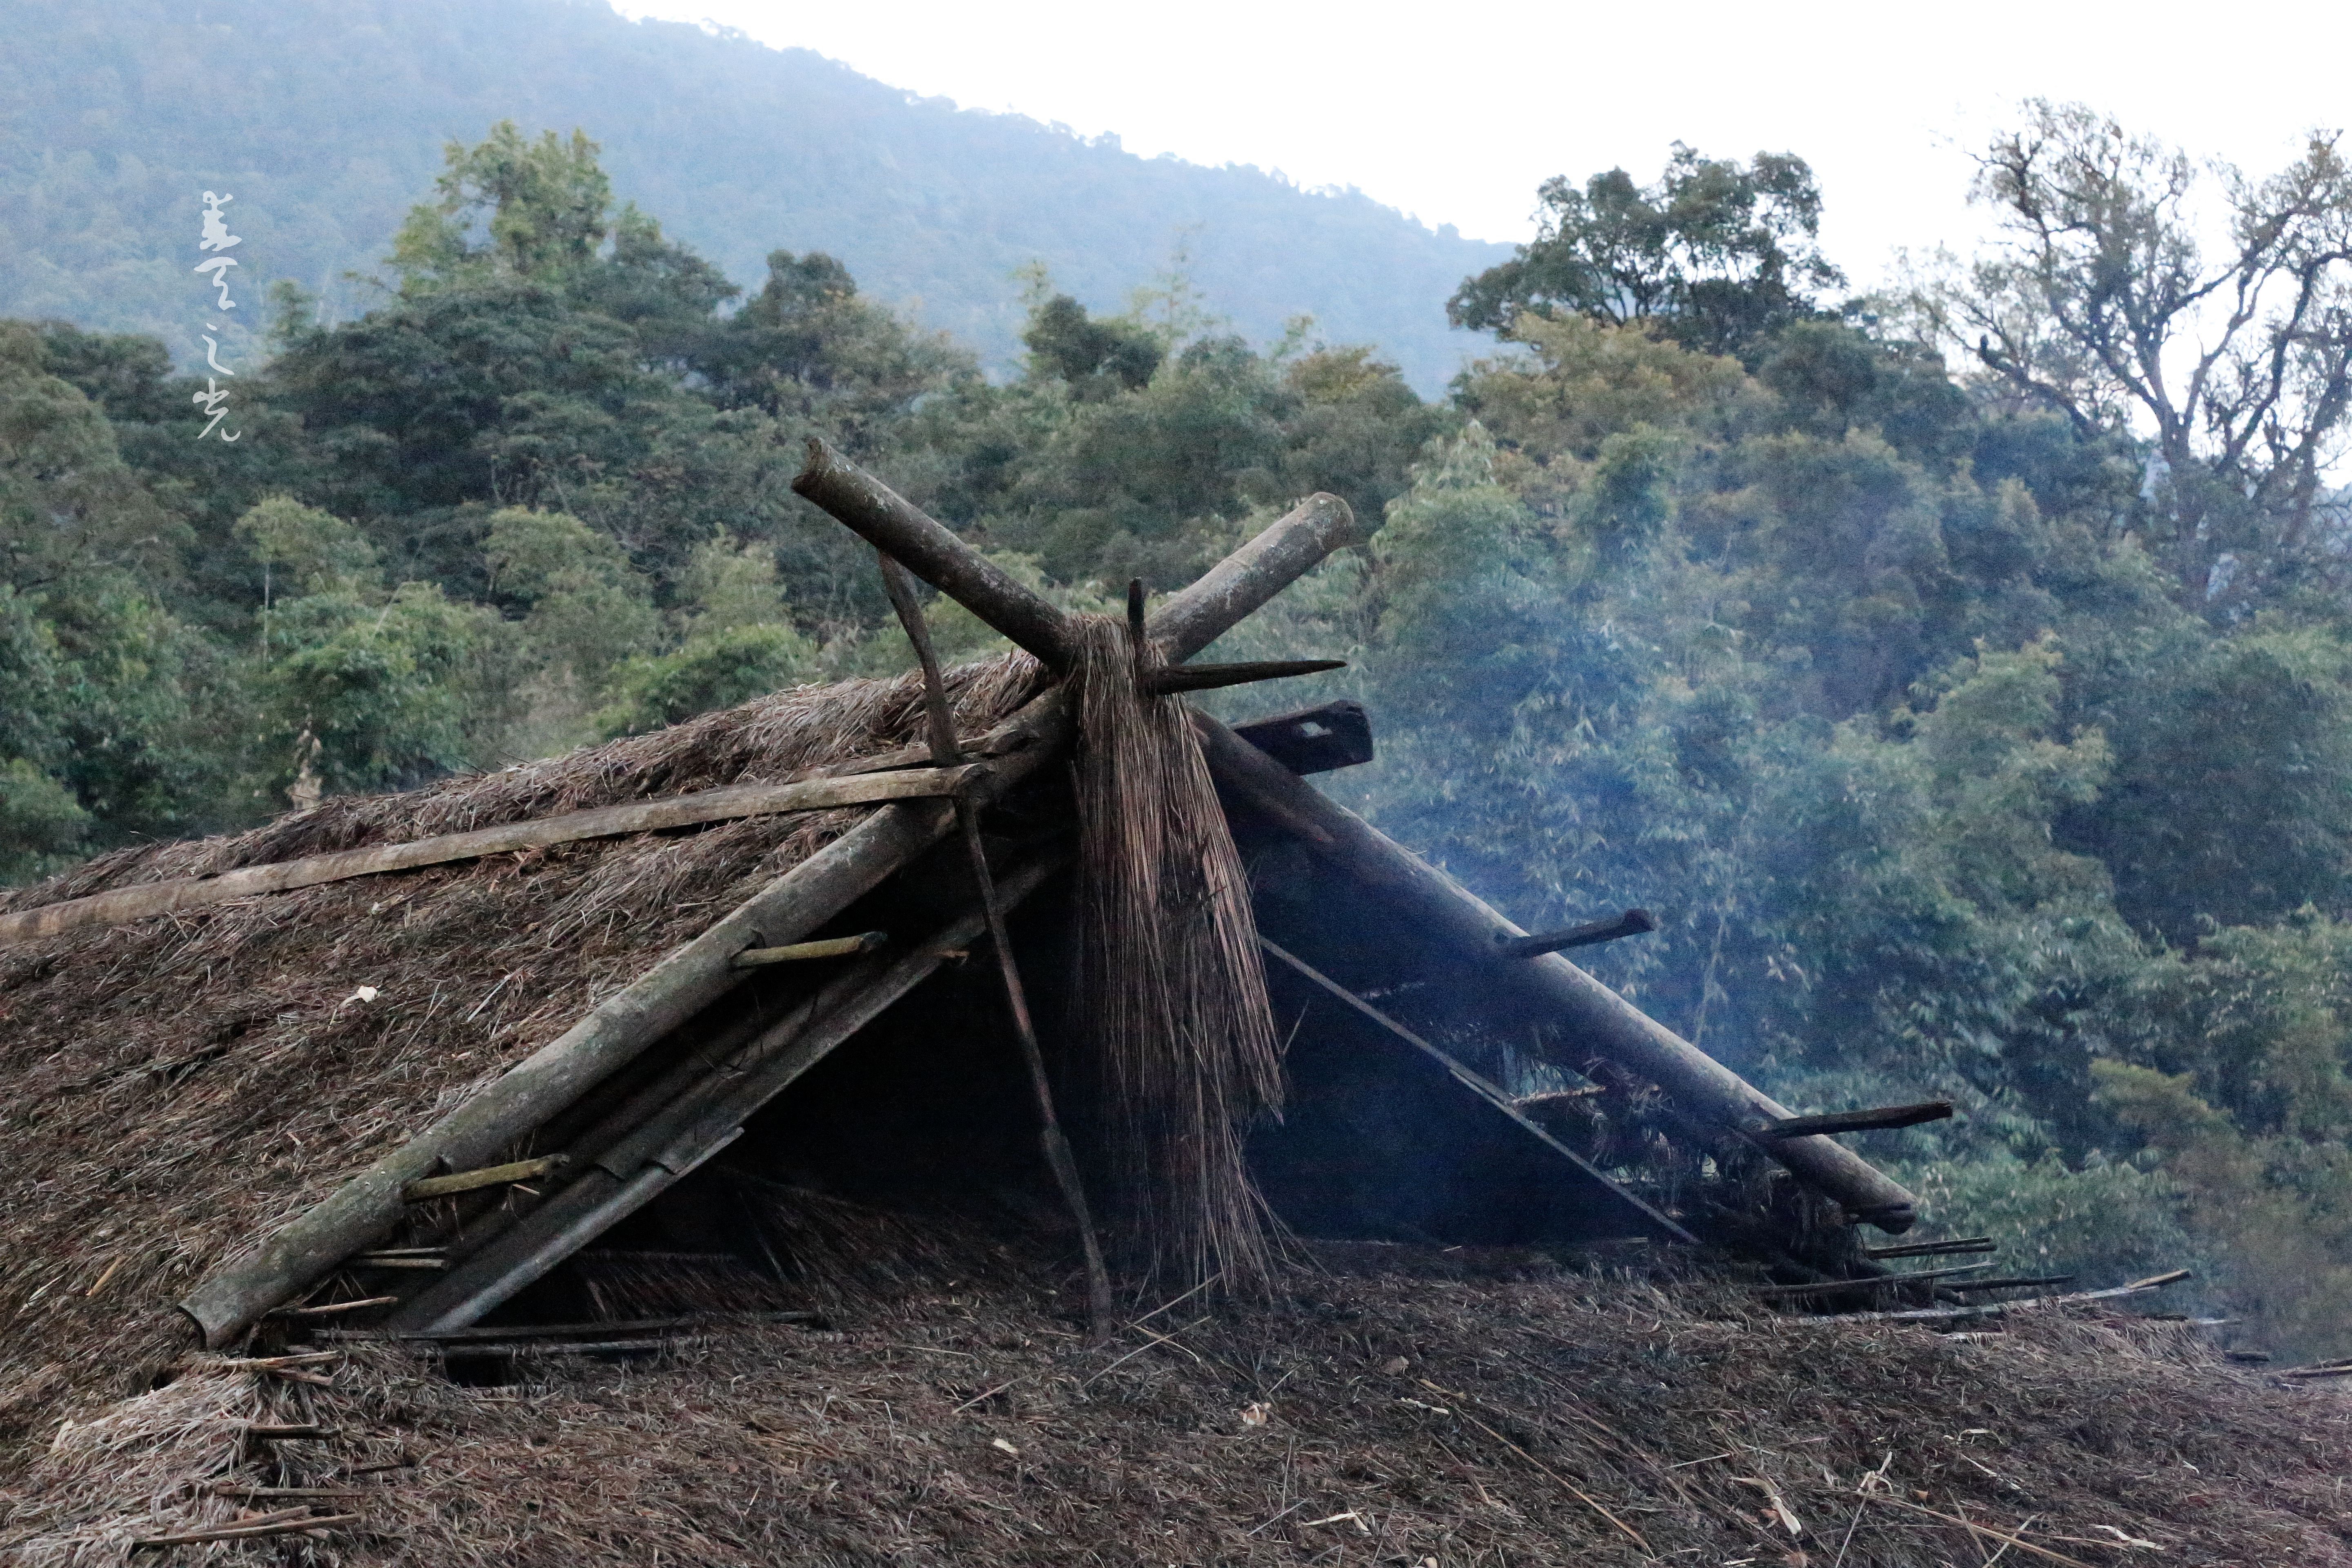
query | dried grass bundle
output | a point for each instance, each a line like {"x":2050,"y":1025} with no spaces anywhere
{"x":1171,"y":988}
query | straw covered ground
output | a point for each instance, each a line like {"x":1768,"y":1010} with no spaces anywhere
{"x":1387,"y":1407}
{"x":173,"y":1089}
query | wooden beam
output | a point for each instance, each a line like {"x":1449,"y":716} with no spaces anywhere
{"x":1233,"y":589}
{"x":1856,"y":1120}
{"x":1183,"y":677}
{"x":1632,"y":922}
{"x":893,"y":525}
{"x":1314,"y":740}
{"x":118,"y":905}
{"x":802,"y":952}
{"x":1704,"y":1090}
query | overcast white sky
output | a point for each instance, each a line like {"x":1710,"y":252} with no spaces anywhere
{"x":1456,"y":112}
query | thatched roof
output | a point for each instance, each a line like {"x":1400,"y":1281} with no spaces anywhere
{"x":174,"y":1088}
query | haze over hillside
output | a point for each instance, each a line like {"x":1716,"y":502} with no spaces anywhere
{"x":326,"y":119}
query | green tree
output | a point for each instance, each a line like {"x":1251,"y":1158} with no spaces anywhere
{"x":540,"y":208}
{"x":2101,"y":302}
{"x":1713,"y":254}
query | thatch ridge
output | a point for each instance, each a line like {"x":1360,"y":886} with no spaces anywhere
{"x":173,"y":1089}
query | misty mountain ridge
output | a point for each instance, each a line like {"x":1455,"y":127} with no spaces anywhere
{"x":327,"y":121}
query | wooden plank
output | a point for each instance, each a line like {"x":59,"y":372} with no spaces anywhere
{"x":1316,"y":739}
{"x":1702,"y":1092}
{"x":120,"y":905}
{"x":1856,"y":1120}
{"x":1176,"y":679}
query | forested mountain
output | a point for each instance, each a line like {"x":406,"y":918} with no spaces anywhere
{"x":1965,"y":679}
{"x":324,"y":119}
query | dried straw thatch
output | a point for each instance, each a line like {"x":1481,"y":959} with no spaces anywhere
{"x":1425,"y":1407}
{"x":175,"y":1087}
{"x":1172,"y":990}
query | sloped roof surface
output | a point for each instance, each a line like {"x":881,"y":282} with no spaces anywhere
{"x":174,"y":1088}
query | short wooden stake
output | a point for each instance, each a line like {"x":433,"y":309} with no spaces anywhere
{"x":1632,"y":922}
{"x":486,"y":1176}
{"x":334,"y":1309}
{"x":1856,"y":1121}
{"x":800,"y":951}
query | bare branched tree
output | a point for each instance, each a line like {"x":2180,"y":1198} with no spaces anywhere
{"x":2237,"y":368}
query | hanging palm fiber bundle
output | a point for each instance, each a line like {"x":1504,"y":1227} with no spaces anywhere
{"x":1171,"y":988}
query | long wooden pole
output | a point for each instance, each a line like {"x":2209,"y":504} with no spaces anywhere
{"x":118,"y":905}
{"x":1546,"y":986}
{"x":945,"y":752}
{"x":1232,"y":590}
{"x":893,"y":525}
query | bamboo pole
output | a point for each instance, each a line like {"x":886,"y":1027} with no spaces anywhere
{"x":487,"y":1176}
{"x":1546,"y":986}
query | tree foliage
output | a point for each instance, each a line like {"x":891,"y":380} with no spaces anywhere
{"x":1715,"y":253}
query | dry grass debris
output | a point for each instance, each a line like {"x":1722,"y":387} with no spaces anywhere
{"x":1402,"y":1407}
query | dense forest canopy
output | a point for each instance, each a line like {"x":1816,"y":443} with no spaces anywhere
{"x":1979,"y":721}
{"x":324,"y":118}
